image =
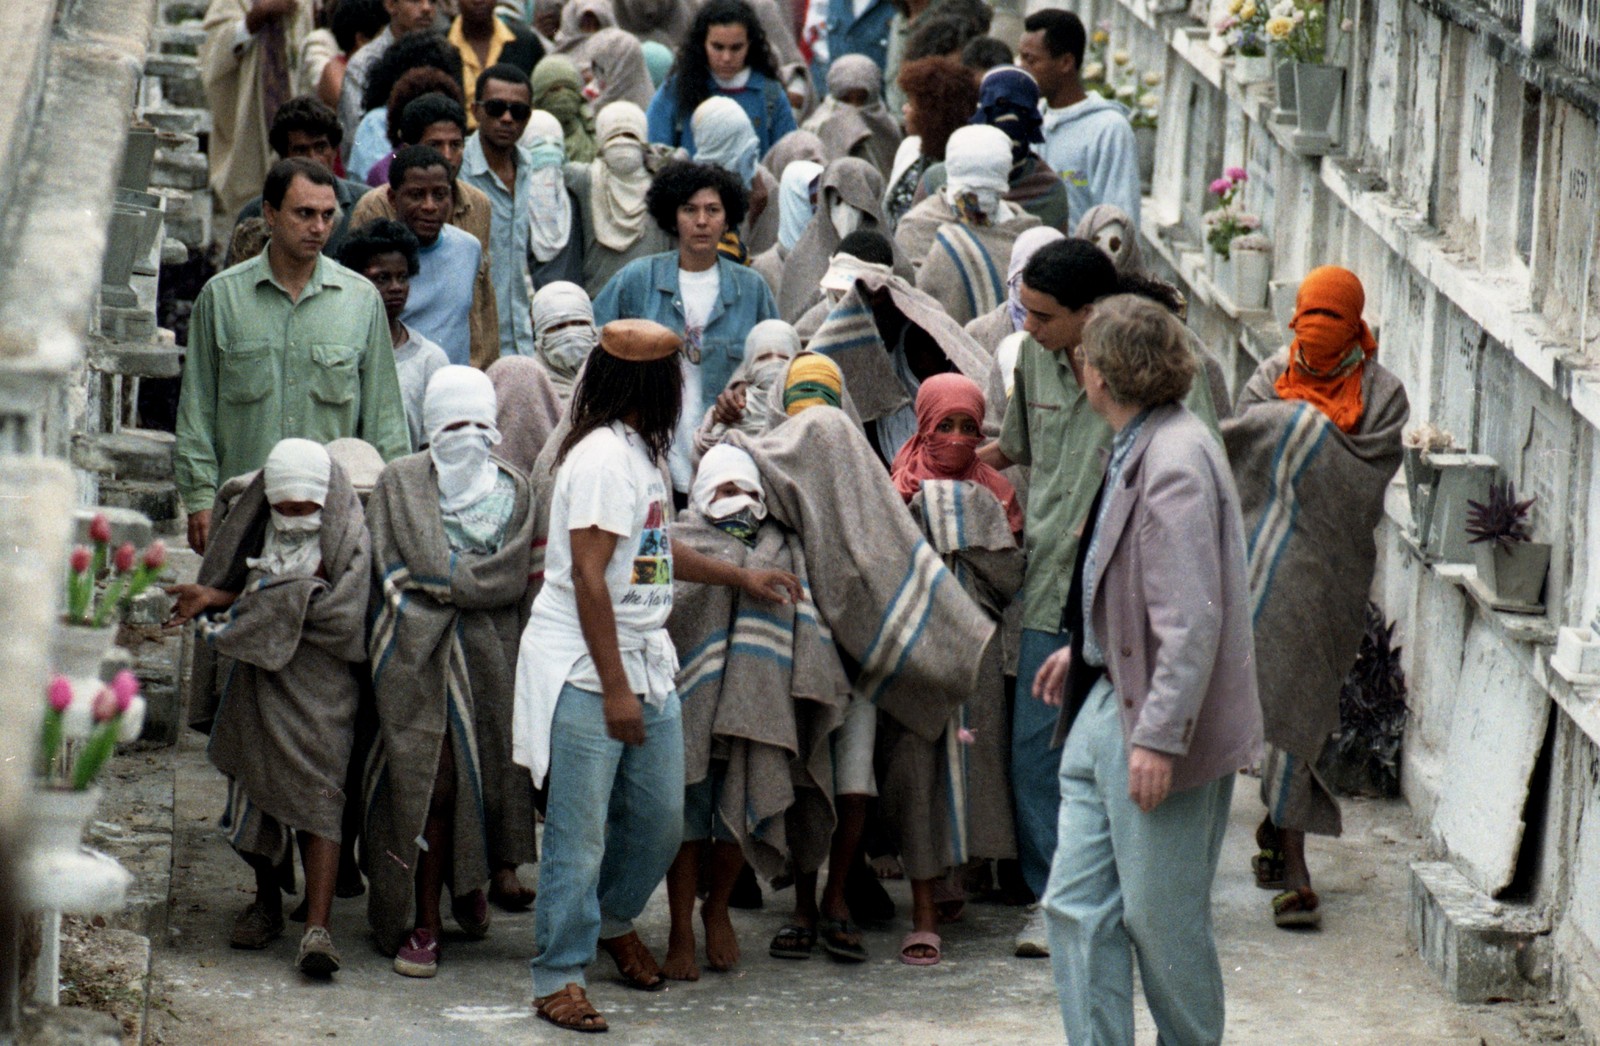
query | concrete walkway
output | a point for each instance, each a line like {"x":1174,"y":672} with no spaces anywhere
{"x":1357,"y":981}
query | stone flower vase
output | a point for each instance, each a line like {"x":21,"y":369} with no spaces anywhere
{"x":1462,"y":478}
{"x":1317,"y":92}
{"x":1514,"y":575}
{"x":1145,"y":139}
{"x":76,"y":651}
{"x":1252,"y":68}
{"x":1284,"y":112}
{"x":1252,"y":267}
{"x":1222,"y":274}
{"x":1422,"y":482}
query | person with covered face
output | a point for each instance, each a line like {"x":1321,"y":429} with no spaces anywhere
{"x":597,"y":712}
{"x":947,"y":802}
{"x":848,"y":196}
{"x":797,"y":196}
{"x":961,"y":237}
{"x":447,"y":808}
{"x":564,"y":333}
{"x":857,"y":123}
{"x":608,"y":196}
{"x":558,"y":90}
{"x":282,"y":596}
{"x":701,"y":295}
{"x":617,"y":70}
{"x":1008,"y":98}
{"x":1000,"y":329}
{"x":939,"y":95}
{"x":1314,"y":444}
{"x":745,"y":405}
{"x":725,"y":137}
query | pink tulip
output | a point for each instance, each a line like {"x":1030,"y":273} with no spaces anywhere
{"x":1237,"y":175}
{"x":155,"y":557}
{"x":60,"y":693}
{"x":966,"y":736}
{"x":122,"y":559}
{"x":80,"y":559}
{"x":106,"y":707}
{"x":100,"y":528}
{"x":126,"y":687}
{"x":1220,"y":186}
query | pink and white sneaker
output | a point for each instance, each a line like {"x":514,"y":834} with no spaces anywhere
{"x":419,"y":956}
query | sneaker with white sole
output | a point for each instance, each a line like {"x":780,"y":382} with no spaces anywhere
{"x":318,"y":957}
{"x":1034,"y":940}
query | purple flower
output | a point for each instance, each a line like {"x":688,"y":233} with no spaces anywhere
{"x":1237,"y":175}
{"x":126,"y":687}
{"x":1221,"y":186}
{"x":80,"y":559}
{"x":60,"y":693}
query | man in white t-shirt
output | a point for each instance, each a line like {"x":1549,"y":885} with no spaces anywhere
{"x":596,"y":706}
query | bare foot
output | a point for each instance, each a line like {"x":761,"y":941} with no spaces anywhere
{"x":888,"y":867}
{"x":722,"y":943}
{"x":679,"y":964}
{"x":507,"y":891}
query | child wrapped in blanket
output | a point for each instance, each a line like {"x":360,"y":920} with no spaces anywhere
{"x":948,"y":802}
{"x":447,"y":808}
{"x":282,"y":596}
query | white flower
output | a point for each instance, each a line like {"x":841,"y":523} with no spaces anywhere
{"x":1125,"y":93}
{"x":1148,"y":100}
{"x":1094,"y":71}
{"x":1283,"y":9}
{"x":1121,"y":57}
{"x":1151,"y":79}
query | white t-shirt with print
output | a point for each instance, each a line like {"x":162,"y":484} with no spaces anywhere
{"x":608,"y":480}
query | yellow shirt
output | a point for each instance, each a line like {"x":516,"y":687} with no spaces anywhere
{"x":470,"y":66}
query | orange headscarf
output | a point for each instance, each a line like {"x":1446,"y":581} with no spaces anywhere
{"x":1331,"y":343}
{"x":931,"y":454}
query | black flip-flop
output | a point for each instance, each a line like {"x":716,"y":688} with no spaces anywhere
{"x":804,"y":934}
{"x":834,"y":932}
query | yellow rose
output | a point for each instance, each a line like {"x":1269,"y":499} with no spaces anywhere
{"x":1151,"y":79}
{"x":1122,"y":58}
{"x":1234,"y":6}
{"x":1247,"y":12}
{"x":1279,"y":28}
{"x":1101,"y":37}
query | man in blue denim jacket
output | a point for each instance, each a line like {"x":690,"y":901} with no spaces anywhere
{"x":707,"y":299}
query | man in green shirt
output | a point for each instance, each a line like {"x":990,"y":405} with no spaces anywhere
{"x":1050,"y":427}
{"x":289,"y":343}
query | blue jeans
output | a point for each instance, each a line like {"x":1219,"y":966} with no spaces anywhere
{"x":1035,"y":794}
{"x":613,"y":823}
{"x":1127,"y":883}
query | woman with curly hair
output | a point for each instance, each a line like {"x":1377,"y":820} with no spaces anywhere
{"x":726,"y":52}
{"x":940,"y":97}
{"x":707,"y":299}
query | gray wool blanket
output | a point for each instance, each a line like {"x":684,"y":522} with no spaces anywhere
{"x":443,"y":648}
{"x":285,"y":721}
{"x":884,"y":593}
{"x":960,"y":265}
{"x":762,"y":688}
{"x":1312,"y":497}
{"x":949,"y":801}
{"x":850,"y":337}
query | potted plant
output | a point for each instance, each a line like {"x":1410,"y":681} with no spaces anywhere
{"x":1243,"y":30}
{"x":1094,"y":61}
{"x":1136,"y":91}
{"x":1252,"y":267}
{"x":1511,"y":565}
{"x":100,"y":583}
{"x":1225,"y":223}
{"x":1422,"y":477}
{"x":1460,"y":479}
{"x":1301,"y":32}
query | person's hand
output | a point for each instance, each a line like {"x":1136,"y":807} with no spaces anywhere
{"x":624,"y":714}
{"x":729,"y":407}
{"x":774,"y":586}
{"x":192,"y":601}
{"x":1149,"y":777}
{"x":199,"y":530}
{"x":1050,"y":682}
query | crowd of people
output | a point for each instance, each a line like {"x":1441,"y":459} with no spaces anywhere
{"x":744,"y":439}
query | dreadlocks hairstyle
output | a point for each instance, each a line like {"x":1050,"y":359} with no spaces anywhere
{"x":694,"y":69}
{"x":610,"y":389}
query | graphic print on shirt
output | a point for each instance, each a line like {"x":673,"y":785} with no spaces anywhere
{"x":651,"y":583}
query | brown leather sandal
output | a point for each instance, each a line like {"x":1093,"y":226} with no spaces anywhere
{"x":569,"y":1008}
{"x":634,"y":961}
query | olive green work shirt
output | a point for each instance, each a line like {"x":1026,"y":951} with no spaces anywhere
{"x":262,"y":367}
{"x":1050,"y":428}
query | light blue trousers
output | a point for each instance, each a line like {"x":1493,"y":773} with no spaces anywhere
{"x":1035,"y":794}
{"x":1128,"y":883}
{"x":613,"y":823}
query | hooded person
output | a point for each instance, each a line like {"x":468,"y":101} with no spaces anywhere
{"x":527,"y":408}
{"x":581,"y":20}
{"x":617,"y":70}
{"x":558,"y":90}
{"x":796,"y":145}
{"x":1008,"y":98}
{"x":948,"y":801}
{"x":724,"y":135}
{"x":609,"y":194}
{"x":281,"y":606}
{"x":1109,"y":228}
{"x":888,"y":337}
{"x":960,"y":239}
{"x":447,"y":808}
{"x":554,"y":253}
{"x":1310,"y":512}
{"x":796,"y":205}
{"x":859,"y":125}
{"x":660,"y":26}
{"x":658,"y":56}
{"x":849,"y":198}
{"x":768,"y":349}
{"x":563,"y":334}
{"x":1002,"y":325}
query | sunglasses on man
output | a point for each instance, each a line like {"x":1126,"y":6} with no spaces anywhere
{"x":495,"y":108}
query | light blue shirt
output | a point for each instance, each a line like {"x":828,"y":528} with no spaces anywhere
{"x":371,"y":144}
{"x":508,"y":243}
{"x":1091,"y":145}
{"x":440,"y":305}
